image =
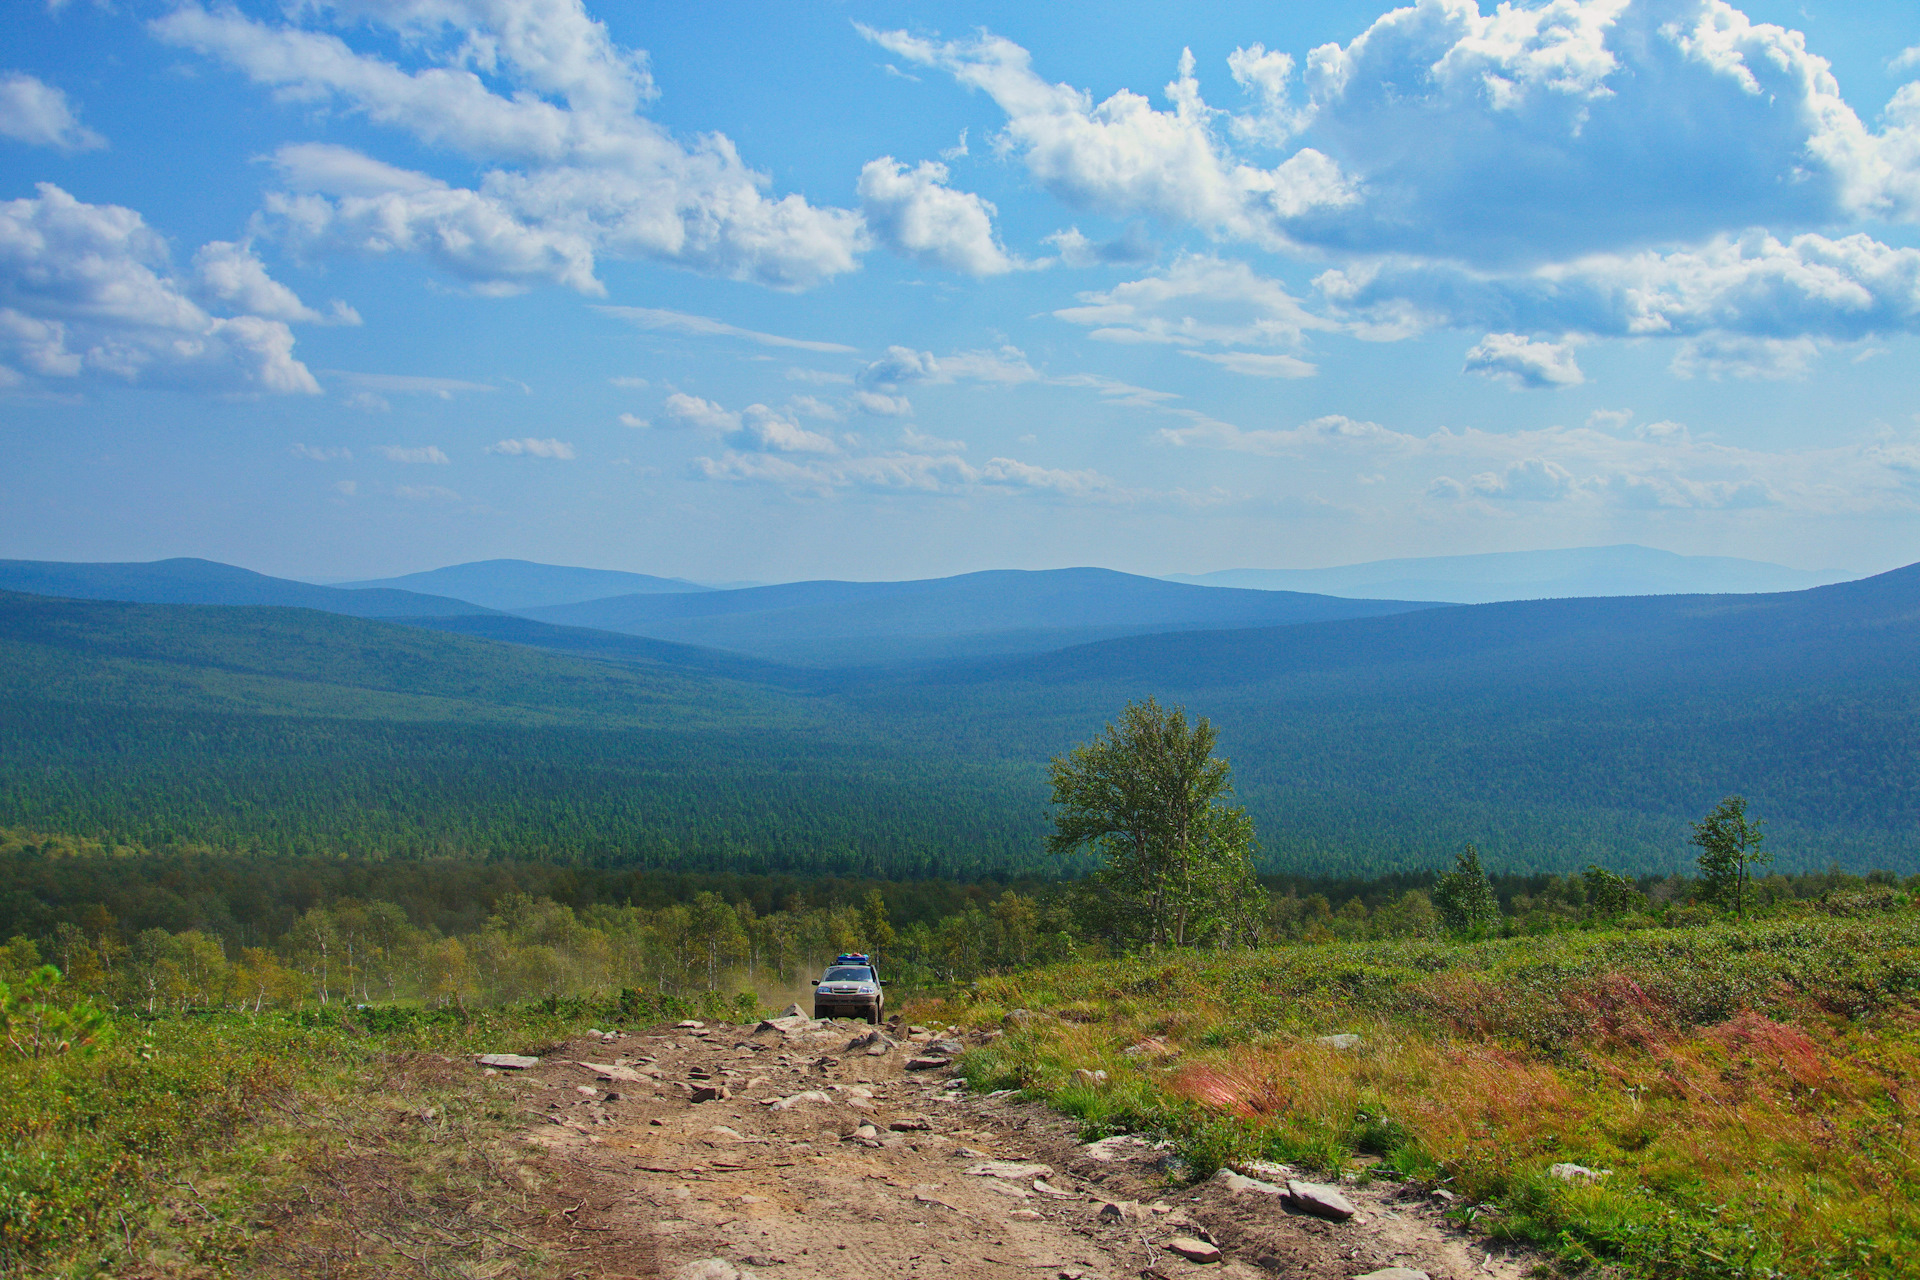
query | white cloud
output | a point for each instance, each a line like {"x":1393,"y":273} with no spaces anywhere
{"x":706,"y":327}
{"x":1255,"y":364}
{"x":321,"y":453}
{"x":1524,"y":134}
{"x":917,"y":215}
{"x":345,"y":488}
{"x":914,"y":440}
{"x":819,"y":377}
{"x":1723,"y":355}
{"x":814,"y":407}
{"x":408,"y":384}
{"x":635,"y":421}
{"x":902,"y":366}
{"x":1202,"y":300}
{"x":425,"y":493}
{"x":1664,"y":432}
{"x":38,"y":114}
{"x":1076,"y":250}
{"x":576,"y":172}
{"x":368,"y":402}
{"x":630,"y":384}
{"x":86,"y":290}
{"x":1524,"y":363}
{"x":1905,"y":60}
{"x":420,"y":453}
{"x":756,"y":427}
{"x":884,"y":406}
{"x":1124,"y":157}
{"x":915,"y":471}
{"x":1610,"y":419}
{"x":229,"y":273}
{"x":1528,"y":480}
{"x":1839,"y":289}
{"x":530,"y":447}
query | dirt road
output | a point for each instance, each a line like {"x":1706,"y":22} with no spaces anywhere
{"x":773,"y":1176}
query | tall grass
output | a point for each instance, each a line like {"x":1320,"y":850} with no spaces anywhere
{"x":1749,"y":1091}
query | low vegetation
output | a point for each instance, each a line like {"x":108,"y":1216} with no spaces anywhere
{"x":1742,"y":1092}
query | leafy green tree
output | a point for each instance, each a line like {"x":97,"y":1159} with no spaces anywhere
{"x":1463,"y":897}
{"x":1149,"y":795}
{"x":1729,"y":844}
{"x":1608,"y":894}
{"x":34,"y":1024}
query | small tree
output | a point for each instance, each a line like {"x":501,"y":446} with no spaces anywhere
{"x":1148,"y":794}
{"x":1463,"y":897}
{"x":1608,"y":895}
{"x":1729,"y":844}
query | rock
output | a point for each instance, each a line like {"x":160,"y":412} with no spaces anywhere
{"x":1577,"y":1173}
{"x":508,"y":1061}
{"x":711,"y":1093}
{"x":712,"y":1269}
{"x":786,"y":1024}
{"x":1395,"y":1273}
{"x":1345,"y":1040}
{"x":912,"y":1125}
{"x":1151,"y":1047}
{"x":789,"y":1103}
{"x":1011,"y":1169}
{"x":1319,"y":1199}
{"x":730,"y":1134}
{"x":1118,"y":1211}
{"x":875,"y":1044}
{"x":951,"y":1048}
{"x":1193,"y":1250}
{"x":865,"y":1133}
{"x":1121,"y":1146}
{"x":1265,"y":1169}
{"x":1026,"y":1215}
{"x":928,"y":1064}
{"x":793,"y":1011}
{"x":1089,"y":1079}
{"x":1443,"y":1196}
{"x":607,"y":1071}
{"x":1017,"y":1018}
{"x":1236,"y":1183}
{"x":691,"y":1025}
{"x":1046,"y":1188}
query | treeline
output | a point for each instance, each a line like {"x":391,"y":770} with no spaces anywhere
{"x":177,"y":930}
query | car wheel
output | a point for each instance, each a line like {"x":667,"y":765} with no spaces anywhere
{"x":818,"y":1012}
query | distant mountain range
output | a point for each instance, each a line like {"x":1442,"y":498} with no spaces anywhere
{"x":190,"y":581}
{"x":997,"y":612}
{"x":1625,"y":570}
{"x":512,"y":585}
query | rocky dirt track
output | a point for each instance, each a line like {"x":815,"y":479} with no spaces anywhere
{"x":809,"y":1155}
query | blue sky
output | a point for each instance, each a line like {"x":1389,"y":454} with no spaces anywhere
{"x":772,"y":291}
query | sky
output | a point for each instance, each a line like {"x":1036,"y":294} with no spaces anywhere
{"x":742,"y":291}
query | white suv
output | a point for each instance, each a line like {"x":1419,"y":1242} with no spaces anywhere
{"x":850,"y":988}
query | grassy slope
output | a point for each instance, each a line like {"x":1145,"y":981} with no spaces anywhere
{"x":1747,"y":1087}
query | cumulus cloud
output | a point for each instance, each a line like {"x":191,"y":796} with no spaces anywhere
{"x":1837,"y":289}
{"x":38,"y":114}
{"x":1522,"y":362}
{"x":757,"y":427}
{"x":1733,"y":355}
{"x":229,"y":273}
{"x":321,"y":453}
{"x":419,"y":453}
{"x":529,"y":447}
{"x":575,"y":171}
{"x":884,"y":406}
{"x":707,"y":327}
{"x":1198,"y":300}
{"x":87,"y":290}
{"x":1076,"y":250}
{"x":1524,"y":134}
{"x":917,"y":215}
{"x":902,"y":366}
{"x":635,"y":421}
{"x":1123,"y":156}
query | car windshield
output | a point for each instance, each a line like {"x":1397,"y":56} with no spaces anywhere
{"x":849,"y":975}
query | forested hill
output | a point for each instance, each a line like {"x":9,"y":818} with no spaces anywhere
{"x":294,"y":731}
{"x":1550,"y":732}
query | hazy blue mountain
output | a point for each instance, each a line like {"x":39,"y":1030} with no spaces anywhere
{"x":1001,"y":611}
{"x":191,"y":581}
{"x":1625,"y":570}
{"x":522,"y":584}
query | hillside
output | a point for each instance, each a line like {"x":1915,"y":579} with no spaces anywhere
{"x":190,"y":581}
{"x":998,"y":612}
{"x":1552,"y":733}
{"x":523,"y":584}
{"x":299,"y":731}
{"x":1625,"y":570}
